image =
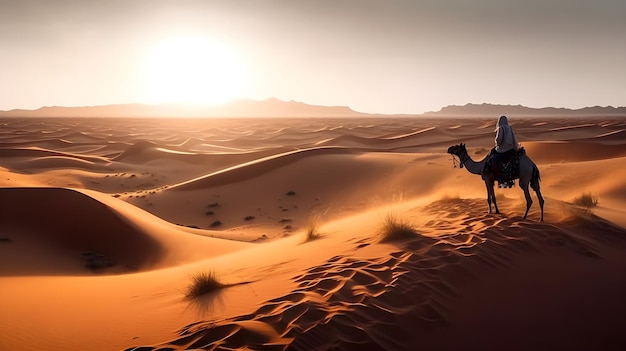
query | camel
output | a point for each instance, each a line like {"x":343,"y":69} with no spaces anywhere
{"x":528,"y":175}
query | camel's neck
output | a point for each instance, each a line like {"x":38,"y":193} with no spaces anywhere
{"x":471,"y":165}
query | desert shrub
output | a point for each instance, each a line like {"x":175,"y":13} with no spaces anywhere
{"x":203,"y":283}
{"x":586,"y":200}
{"x":394,"y":228}
{"x":312,"y":232}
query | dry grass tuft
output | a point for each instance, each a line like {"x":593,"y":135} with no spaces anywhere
{"x":312,"y":232}
{"x":394,"y":228}
{"x":203,"y":283}
{"x":586,"y":200}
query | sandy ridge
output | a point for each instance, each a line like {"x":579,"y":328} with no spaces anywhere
{"x":394,"y":301}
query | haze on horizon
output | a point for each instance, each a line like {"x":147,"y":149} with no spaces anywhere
{"x":396,"y":56}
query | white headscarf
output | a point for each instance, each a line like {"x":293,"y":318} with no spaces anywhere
{"x":502,"y":121}
{"x":504,"y":132}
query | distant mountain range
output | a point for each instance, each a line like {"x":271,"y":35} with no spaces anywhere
{"x":240,"y":108}
{"x":491,"y":110}
{"x":277,"y":108}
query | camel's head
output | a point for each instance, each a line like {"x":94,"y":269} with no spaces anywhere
{"x":457,"y":150}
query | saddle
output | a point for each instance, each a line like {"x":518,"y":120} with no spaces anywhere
{"x":505,"y":167}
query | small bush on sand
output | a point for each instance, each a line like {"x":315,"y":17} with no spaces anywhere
{"x":203,"y":283}
{"x":312,"y":232}
{"x":394,"y":228}
{"x":586,"y":200}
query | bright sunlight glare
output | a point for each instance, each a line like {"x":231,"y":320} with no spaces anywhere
{"x":192,"y":70}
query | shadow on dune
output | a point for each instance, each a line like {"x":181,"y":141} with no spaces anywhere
{"x":51,"y":225}
{"x":207,"y":304}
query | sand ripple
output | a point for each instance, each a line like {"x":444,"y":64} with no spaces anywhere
{"x":390,"y":302}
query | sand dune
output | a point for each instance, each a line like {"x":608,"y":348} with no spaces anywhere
{"x":102,"y":222}
{"x":254,"y":168}
{"x":74,"y":225}
{"x":403,"y":300}
{"x":38,"y":152}
{"x":70,"y":223}
{"x":555,"y":152}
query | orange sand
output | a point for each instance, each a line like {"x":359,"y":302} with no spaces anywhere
{"x":144,"y":197}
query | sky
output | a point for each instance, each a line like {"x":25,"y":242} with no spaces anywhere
{"x":376,"y":56}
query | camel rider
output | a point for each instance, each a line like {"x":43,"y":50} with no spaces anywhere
{"x":506,"y":143}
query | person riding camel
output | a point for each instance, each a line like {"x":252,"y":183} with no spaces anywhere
{"x":506,"y":143}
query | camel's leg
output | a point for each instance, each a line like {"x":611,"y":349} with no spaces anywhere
{"x":491,"y":196}
{"x":538,"y":192}
{"x":534,"y":184}
{"x":529,"y":200}
{"x":488,"y":195}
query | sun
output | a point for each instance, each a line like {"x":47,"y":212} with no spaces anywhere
{"x":192,"y":70}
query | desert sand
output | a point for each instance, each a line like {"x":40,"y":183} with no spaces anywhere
{"x":104,"y":221}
